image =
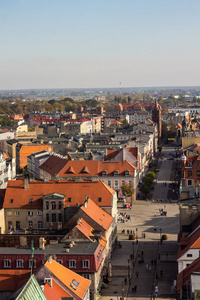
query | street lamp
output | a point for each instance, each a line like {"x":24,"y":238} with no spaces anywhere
{"x":136,"y":234}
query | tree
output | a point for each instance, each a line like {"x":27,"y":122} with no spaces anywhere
{"x":127,"y":189}
{"x":145,"y":188}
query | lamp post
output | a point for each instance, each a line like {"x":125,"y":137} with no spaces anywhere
{"x":160,"y":232}
{"x":136,"y":234}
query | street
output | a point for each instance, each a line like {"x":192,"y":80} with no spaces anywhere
{"x":147,"y":268}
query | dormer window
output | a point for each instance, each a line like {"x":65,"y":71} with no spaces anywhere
{"x":104,"y":173}
{"x":11,"y":200}
{"x":116,"y":173}
{"x":127,"y":173}
{"x":31,"y":200}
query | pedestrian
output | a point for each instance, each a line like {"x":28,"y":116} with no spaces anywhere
{"x":144,"y":235}
{"x":125,"y":280}
{"x":137,"y":273}
{"x":149,"y":267}
{"x":142,"y":253}
{"x":135,"y":288}
{"x":161,"y":273}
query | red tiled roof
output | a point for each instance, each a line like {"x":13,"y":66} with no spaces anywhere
{"x":54,"y":292}
{"x":9,"y":279}
{"x":53,"y":165}
{"x":66,"y":276}
{"x":27,"y":150}
{"x":91,"y":168}
{"x":112,"y":153}
{"x":97,"y":214}
{"x":37,"y":189}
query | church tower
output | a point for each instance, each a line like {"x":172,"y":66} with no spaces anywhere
{"x":156,"y":117}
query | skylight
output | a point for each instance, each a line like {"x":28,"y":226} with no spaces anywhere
{"x":75,"y":282}
{"x":11,"y":200}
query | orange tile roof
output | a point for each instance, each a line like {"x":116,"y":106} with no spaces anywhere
{"x":112,"y":153}
{"x":85,"y":228}
{"x":185,"y":276}
{"x":188,"y":241}
{"x":97,"y":214}
{"x":66,"y":276}
{"x":27,"y":150}
{"x":196,"y":244}
{"x":116,"y":123}
{"x":9,"y":279}
{"x":37,"y":189}
{"x":54,"y":292}
{"x":91,"y":168}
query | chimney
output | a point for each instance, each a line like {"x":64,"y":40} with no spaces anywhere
{"x":41,"y":243}
{"x":26,"y":183}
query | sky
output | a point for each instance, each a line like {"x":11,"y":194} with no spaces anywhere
{"x":99,"y":43}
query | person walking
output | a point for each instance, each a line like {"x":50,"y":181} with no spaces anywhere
{"x":137,"y":273}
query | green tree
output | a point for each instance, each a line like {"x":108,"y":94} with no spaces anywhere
{"x":127,"y":189}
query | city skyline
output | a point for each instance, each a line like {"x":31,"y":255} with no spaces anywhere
{"x":59,"y":44}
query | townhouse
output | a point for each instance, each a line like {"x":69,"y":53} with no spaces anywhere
{"x":113,"y":173}
{"x":38,"y":204}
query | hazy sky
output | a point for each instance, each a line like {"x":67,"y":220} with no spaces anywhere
{"x":99,"y":43}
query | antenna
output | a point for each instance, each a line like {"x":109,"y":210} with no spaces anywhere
{"x":120,"y":89}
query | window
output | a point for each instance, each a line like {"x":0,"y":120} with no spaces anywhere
{"x":30,"y":223}
{"x":39,"y":224}
{"x":19,"y":263}
{"x":127,"y":173}
{"x":47,"y":217}
{"x":30,"y":213}
{"x":99,"y":199}
{"x":60,"y":205}
{"x":30,"y":263}
{"x":17,"y":225}
{"x":17,"y":213}
{"x":198,"y":173}
{"x":47,"y":205}
{"x":189,"y":255}
{"x":116,"y":184}
{"x":53,"y":205}
{"x":116,"y":173}
{"x":31,"y":200}
{"x":69,"y":200}
{"x":104,"y":173}
{"x":9,"y":224}
{"x":85,"y":264}
{"x":109,"y":183}
{"x":189,"y":173}
{"x":39,"y":213}
{"x":11,"y":200}
{"x":72,"y":264}
{"x":189,"y":182}
{"x":7,"y":263}
{"x":87,"y":276}
{"x":60,"y":261}
{"x":53,"y":217}
{"x":60,"y":218}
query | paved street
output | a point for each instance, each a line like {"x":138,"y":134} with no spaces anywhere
{"x":161,"y":190}
{"x":160,"y":257}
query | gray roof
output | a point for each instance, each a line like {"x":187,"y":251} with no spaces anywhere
{"x":86,"y":247}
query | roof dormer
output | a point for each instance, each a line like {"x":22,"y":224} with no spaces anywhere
{"x":116,"y":173}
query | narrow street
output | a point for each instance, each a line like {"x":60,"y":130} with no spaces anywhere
{"x":160,"y":189}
